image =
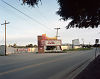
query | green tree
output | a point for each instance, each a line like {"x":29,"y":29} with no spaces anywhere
{"x":84,"y":13}
{"x":31,"y":2}
{"x":29,"y":45}
{"x":14,"y":45}
{"x":9,"y":45}
{"x":35,"y":46}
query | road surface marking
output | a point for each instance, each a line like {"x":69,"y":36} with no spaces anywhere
{"x":29,"y":66}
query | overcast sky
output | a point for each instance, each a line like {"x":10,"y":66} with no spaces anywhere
{"x":43,"y":19}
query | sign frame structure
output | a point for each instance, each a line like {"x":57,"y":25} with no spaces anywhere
{"x":96,"y":41}
{"x":50,"y":42}
{"x":76,"y":42}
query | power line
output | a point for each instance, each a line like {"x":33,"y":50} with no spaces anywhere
{"x":44,"y":17}
{"x":1,"y":6}
{"x":25,"y":14}
{"x":22,"y":13}
{"x":24,"y":19}
{"x":40,"y":13}
{"x":20,"y":16}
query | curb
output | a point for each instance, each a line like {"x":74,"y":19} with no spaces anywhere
{"x":75,"y":71}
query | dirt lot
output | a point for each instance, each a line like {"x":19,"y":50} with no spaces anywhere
{"x":92,"y":71}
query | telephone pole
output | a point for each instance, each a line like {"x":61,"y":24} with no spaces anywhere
{"x":57,"y":32}
{"x":83,"y":42}
{"x":5,"y":34}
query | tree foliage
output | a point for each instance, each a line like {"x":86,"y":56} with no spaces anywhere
{"x":29,"y":45}
{"x":84,"y":13}
{"x":31,"y":2}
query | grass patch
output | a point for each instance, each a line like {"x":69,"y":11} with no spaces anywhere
{"x":1,"y":55}
{"x":79,"y":49}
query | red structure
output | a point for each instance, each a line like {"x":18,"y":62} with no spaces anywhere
{"x":40,"y":45}
{"x":46,"y":44}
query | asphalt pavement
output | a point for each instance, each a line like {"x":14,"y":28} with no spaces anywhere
{"x":42,"y":66}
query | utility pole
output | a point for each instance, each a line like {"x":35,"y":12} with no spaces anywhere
{"x":5,"y":34}
{"x":57,"y":32}
{"x":83,"y":42}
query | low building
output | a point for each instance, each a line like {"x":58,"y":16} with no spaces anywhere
{"x":46,"y":44}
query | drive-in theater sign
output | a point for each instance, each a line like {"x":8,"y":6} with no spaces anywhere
{"x":52,"y":42}
{"x":46,"y":44}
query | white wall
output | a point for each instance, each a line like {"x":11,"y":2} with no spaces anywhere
{"x":11,"y":50}
{"x":66,"y":47}
{"x":25,"y":50}
{"x":69,"y":47}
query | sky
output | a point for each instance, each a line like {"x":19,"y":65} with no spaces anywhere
{"x":42,"y":19}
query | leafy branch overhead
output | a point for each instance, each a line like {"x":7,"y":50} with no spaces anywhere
{"x":84,"y":13}
{"x":31,"y":2}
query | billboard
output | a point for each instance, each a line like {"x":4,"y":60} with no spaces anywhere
{"x":76,"y":42}
{"x":52,"y":42}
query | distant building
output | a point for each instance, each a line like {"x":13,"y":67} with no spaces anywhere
{"x":46,"y":44}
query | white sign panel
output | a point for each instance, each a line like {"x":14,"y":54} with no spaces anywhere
{"x":75,"y":42}
{"x":52,"y":42}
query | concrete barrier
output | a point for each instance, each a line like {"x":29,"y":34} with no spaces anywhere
{"x":11,"y":50}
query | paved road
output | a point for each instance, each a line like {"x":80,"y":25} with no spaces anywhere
{"x":41,"y":66}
